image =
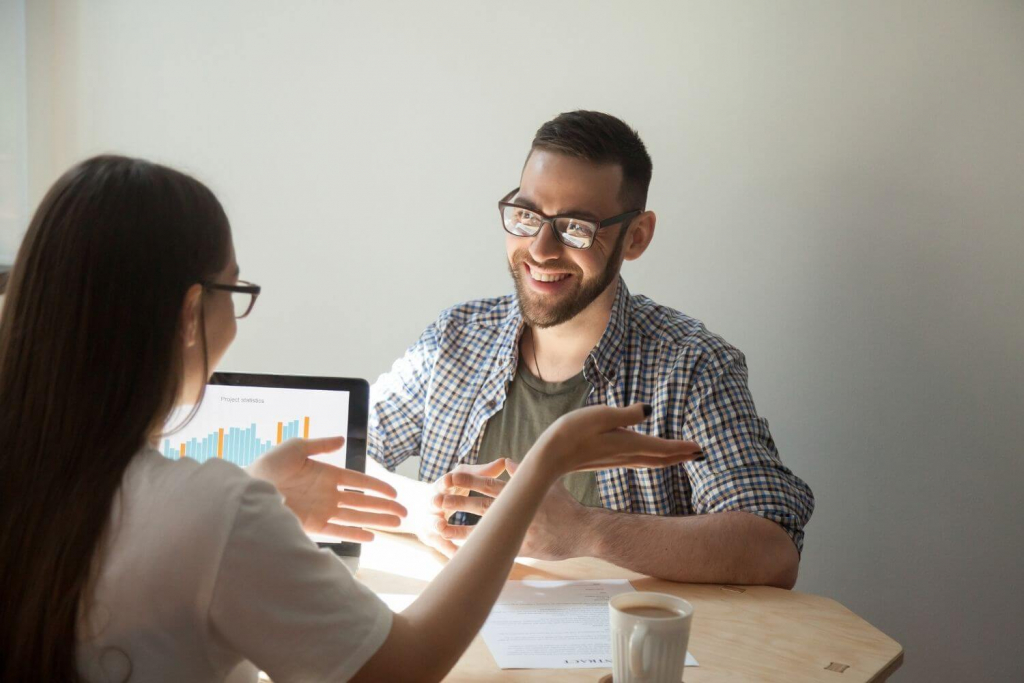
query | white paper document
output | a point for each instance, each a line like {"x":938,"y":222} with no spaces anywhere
{"x":554,"y":625}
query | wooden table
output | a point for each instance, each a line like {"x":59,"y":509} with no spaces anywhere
{"x":739,"y":633}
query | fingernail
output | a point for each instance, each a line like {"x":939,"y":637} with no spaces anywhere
{"x":648,"y":410}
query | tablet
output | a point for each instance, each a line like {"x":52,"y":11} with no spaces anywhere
{"x":244,"y":415}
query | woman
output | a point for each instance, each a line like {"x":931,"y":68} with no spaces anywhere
{"x":118,"y":564}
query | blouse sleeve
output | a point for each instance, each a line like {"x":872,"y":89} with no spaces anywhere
{"x":292,"y":609}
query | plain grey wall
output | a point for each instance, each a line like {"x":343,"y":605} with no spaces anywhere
{"x":13,"y":129}
{"x":839,"y":194}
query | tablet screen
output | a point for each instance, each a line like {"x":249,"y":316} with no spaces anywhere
{"x":240,"y":423}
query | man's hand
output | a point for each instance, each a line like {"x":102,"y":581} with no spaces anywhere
{"x":313,"y":491}
{"x":556,"y":532}
{"x":429,"y":520}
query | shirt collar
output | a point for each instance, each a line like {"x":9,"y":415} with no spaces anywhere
{"x":605,"y":357}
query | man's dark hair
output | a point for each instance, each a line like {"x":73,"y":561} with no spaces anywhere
{"x":601,"y":139}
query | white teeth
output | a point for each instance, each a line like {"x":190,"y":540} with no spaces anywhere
{"x":541,"y":277}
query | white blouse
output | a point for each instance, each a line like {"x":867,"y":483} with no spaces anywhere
{"x":205,"y":575}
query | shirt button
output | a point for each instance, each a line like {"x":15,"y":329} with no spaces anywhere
{"x":611,"y":374}
{"x":491,"y":404}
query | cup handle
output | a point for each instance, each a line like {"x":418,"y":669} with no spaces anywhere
{"x":636,"y":651}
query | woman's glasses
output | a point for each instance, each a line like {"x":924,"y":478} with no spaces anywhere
{"x":578,"y":233}
{"x":243,"y":295}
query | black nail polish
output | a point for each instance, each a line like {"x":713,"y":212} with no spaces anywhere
{"x":648,"y":410}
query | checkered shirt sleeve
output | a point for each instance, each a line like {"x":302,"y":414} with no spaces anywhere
{"x":398,"y":402}
{"x":743,"y":470}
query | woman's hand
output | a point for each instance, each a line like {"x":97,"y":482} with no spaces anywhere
{"x":313,"y":491}
{"x":597,"y":437}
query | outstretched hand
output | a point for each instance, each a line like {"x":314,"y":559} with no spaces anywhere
{"x":596,"y":437}
{"x":314,"y":491}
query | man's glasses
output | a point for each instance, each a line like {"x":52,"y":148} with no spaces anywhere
{"x":243,"y":295}
{"x":578,"y":233}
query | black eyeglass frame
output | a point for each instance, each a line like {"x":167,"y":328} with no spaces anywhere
{"x":550,"y":220}
{"x":242,"y":287}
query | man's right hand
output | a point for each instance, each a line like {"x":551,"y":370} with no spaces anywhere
{"x":429,"y":513}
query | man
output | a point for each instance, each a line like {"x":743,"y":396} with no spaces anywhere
{"x":472,"y":395}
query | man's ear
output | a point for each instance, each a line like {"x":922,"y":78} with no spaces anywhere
{"x":190,"y":311}
{"x":641,"y":232}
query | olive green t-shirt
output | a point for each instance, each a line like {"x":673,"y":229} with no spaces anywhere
{"x":530,"y":407}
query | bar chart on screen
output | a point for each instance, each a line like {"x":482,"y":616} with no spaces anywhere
{"x":239,"y":424}
{"x":236,"y":444}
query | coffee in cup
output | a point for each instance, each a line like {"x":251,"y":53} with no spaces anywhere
{"x":650,"y":632}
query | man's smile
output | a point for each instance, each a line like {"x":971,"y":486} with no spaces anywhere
{"x":546,"y":281}
{"x":545,"y":275}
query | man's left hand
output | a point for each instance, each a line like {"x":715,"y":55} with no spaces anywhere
{"x":555,"y":533}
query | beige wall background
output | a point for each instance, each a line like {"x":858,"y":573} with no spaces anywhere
{"x":839,"y":191}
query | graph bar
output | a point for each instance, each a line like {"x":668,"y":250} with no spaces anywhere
{"x":241,"y":446}
{"x":252,"y":443}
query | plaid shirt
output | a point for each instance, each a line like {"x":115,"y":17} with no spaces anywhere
{"x":436,"y":400}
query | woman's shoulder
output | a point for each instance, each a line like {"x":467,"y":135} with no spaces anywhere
{"x":155,"y":474}
{"x":183,"y":499}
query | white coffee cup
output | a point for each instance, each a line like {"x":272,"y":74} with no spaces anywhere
{"x":650,"y":632}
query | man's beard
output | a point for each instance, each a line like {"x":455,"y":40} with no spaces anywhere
{"x":571,"y":303}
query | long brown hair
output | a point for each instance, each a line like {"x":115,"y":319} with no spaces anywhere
{"x":90,"y":366}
